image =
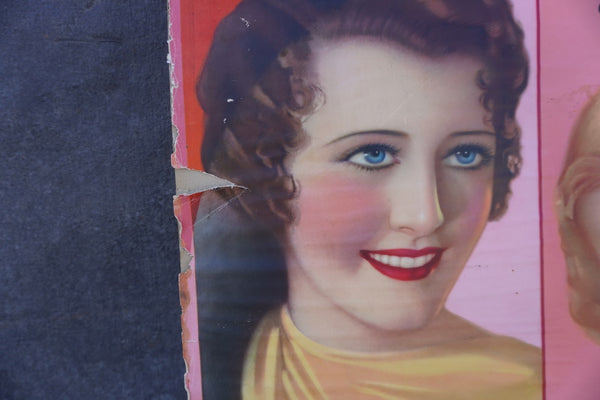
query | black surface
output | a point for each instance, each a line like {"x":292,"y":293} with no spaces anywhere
{"x":89,"y":305}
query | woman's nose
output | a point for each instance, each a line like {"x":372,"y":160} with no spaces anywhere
{"x":415,"y":205}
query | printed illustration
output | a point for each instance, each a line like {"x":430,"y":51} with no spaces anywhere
{"x":368,"y":144}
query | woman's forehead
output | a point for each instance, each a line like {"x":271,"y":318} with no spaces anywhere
{"x":369,"y":84}
{"x":317,"y":43}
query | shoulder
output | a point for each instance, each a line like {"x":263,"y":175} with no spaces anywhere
{"x":260,"y":378}
{"x":507,"y":359}
{"x":269,"y":325}
{"x":509,"y":348}
{"x":492,"y":367}
{"x":482,"y":354}
{"x":265,"y":340}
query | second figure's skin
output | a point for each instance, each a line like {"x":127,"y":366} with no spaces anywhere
{"x":578,"y":208}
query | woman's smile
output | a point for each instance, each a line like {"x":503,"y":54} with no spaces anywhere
{"x":404,"y":264}
{"x":394,"y":189}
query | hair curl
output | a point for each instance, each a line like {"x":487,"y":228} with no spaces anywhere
{"x":254,"y":90}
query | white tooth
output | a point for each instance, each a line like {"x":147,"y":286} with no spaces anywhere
{"x":403,"y":262}
{"x":395,"y":261}
{"x":407,"y":262}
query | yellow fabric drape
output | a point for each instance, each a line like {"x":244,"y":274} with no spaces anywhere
{"x":282,"y":364}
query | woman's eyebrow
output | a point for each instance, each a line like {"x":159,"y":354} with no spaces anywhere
{"x":475,"y":132}
{"x":374,"y":132}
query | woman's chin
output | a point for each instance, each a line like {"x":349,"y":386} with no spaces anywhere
{"x":396,"y":323}
{"x":399,"y":333}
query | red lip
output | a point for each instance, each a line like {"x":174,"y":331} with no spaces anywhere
{"x":401,"y":273}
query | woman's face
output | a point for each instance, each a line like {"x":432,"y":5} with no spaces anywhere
{"x":395,"y":187}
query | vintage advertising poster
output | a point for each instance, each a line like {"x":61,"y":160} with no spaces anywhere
{"x":366,"y":193}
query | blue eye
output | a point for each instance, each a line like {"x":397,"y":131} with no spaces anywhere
{"x":466,"y":157}
{"x":469,"y":156}
{"x":373,"y":156}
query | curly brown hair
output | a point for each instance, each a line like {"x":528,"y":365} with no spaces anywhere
{"x":254,"y":91}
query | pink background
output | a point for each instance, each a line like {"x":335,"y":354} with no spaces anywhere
{"x":570,"y":73}
{"x":500,"y":286}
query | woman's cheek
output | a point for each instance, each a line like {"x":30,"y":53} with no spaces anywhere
{"x":466,"y":198}
{"x":338,"y":211}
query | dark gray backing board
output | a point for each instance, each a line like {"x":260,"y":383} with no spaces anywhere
{"x":89,"y":305}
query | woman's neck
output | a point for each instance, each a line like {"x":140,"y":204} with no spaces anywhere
{"x":332,"y":326}
{"x":337,"y":333}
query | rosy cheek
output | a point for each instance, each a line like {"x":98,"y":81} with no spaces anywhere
{"x":479,"y":204}
{"x":337,"y":212}
{"x":466,"y":201}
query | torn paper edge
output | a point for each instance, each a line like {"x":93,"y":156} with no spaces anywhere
{"x":183,"y":213}
{"x":187,"y":291}
{"x":190,"y":181}
{"x":187,"y":182}
{"x":174,"y":59}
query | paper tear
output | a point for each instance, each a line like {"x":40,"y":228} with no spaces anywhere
{"x":189,"y":181}
{"x":174,"y":57}
{"x":189,"y":336}
{"x":185,"y":258}
{"x":187,"y":289}
{"x":213,"y":210}
{"x":187,"y":284}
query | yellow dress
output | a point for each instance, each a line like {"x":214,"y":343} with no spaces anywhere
{"x":283,"y":364}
